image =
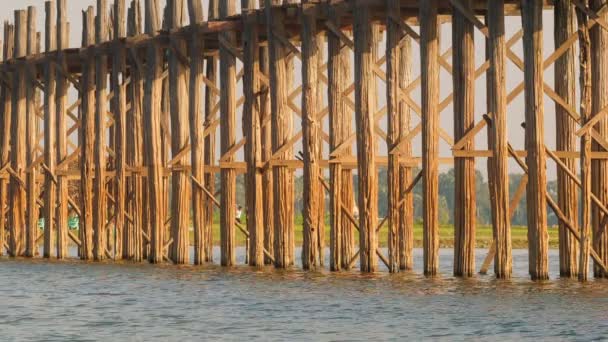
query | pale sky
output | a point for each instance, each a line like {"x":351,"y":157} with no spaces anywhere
{"x":514,"y":77}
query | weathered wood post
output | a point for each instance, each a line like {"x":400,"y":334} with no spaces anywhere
{"x":497,"y":108}
{"x":50,"y":147}
{"x":87,"y":137}
{"x":465,"y":212}
{"x":599,"y":167}
{"x":366,"y":150}
{"x":179,"y":90}
{"x":252,"y":127}
{"x":429,"y":50}
{"x":31,"y":231}
{"x":311,"y":126}
{"x":565,"y":87}
{"x":152,"y":134}
{"x":5,"y":135}
{"x":535,"y":146}
{"x":61,"y":130}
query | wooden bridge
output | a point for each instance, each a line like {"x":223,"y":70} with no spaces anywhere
{"x":123,"y":131}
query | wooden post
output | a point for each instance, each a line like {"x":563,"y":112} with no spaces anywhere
{"x":429,"y":50}
{"x":311,"y":125}
{"x":366,"y":151}
{"x":320,"y":89}
{"x":87,"y":135}
{"x":178,"y":88}
{"x":497,"y":107}
{"x":585,"y":166}
{"x":252,"y":127}
{"x":197,"y":140}
{"x":406,"y":226}
{"x":228,"y":139}
{"x":50,"y":148}
{"x":537,"y":181}
{"x":31,"y":231}
{"x":5,"y":127}
{"x":599,"y":167}
{"x":61,"y":130}
{"x":152,"y":135}
{"x":565,"y":87}
{"x":266,"y":146}
{"x":465,"y":210}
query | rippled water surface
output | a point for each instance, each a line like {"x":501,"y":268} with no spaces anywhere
{"x":72,"y":300}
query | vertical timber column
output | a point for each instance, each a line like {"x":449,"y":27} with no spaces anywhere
{"x":50,"y":147}
{"x":321,"y":194}
{"x":465,"y":211}
{"x":152,"y":135}
{"x":197,"y":140}
{"x":565,"y":87}
{"x":99,"y":188}
{"x":366,"y":151}
{"x":537,"y":180}
{"x":599,"y":167}
{"x":178,"y":89}
{"x":393,"y":94}
{"x":228,"y":139}
{"x":87,"y":137}
{"x":17,"y":194}
{"x":429,"y":63}
{"x":61,"y":130}
{"x":210,"y":115}
{"x":5,"y":136}
{"x":31,"y":232}
{"x":497,"y":106}
{"x":253,"y":127}
{"x":281,"y":133}
{"x":119,"y":69}
{"x":311,"y":126}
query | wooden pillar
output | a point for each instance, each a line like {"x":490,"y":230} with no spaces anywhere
{"x":266,"y":146}
{"x":465,"y":211}
{"x":197,"y":140}
{"x":599,"y":167}
{"x":585,"y":148}
{"x":180,"y":181}
{"x":252,"y":127}
{"x":311,"y":126}
{"x":61,"y":130}
{"x":565,"y":87}
{"x":321,"y":194}
{"x":535,"y":146}
{"x":281,"y":133}
{"x":228,"y":139}
{"x":406,"y":226}
{"x":366,"y":151}
{"x":497,"y":107}
{"x":5,"y":127}
{"x":50,"y":147}
{"x":119,"y":109}
{"x":87,"y":137}
{"x":152,"y":135}
{"x":429,"y":50}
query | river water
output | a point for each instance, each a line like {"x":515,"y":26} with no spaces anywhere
{"x":72,"y":300}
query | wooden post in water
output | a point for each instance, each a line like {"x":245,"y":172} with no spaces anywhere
{"x":599,"y":167}
{"x":565,"y":87}
{"x":50,"y":147}
{"x":179,"y":90}
{"x":61,"y":130}
{"x":5,"y":133}
{"x":429,"y":63}
{"x":31,"y":230}
{"x":406,"y":226}
{"x":465,"y":212}
{"x":197,"y":140}
{"x":366,"y":151}
{"x":497,"y":107}
{"x":152,"y":135}
{"x":535,"y":146}
{"x":87,"y":135}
